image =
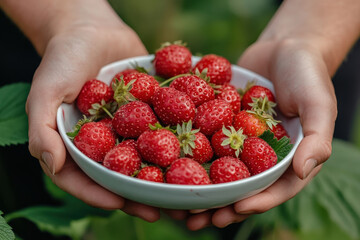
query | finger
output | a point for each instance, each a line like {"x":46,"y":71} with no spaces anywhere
{"x":199,"y":221}
{"x":226,"y":216}
{"x":195,"y":211}
{"x":145,"y":212}
{"x":318,"y":125}
{"x":74,"y":181}
{"x":176,"y":214}
{"x":285,"y":188}
{"x":310,"y":95}
{"x":48,"y":90}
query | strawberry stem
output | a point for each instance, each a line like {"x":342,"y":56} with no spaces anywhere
{"x":173,"y":78}
{"x":107,"y":112}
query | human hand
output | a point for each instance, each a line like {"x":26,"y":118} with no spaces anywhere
{"x":303,"y":88}
{"x":87,"y":38}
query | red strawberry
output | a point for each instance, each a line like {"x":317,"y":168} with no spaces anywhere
{"x":122,"y":74}
{"x":133,"y":119}
{"x":202,"y":152}
{"x":194,"y":144}
{"x":227,"y":142}
{"x":188,"y":172}
{"x":279,"y":131}
{"x":108,"y":123}
{"x":229,"y":93}
{"x":171,"y":60}
{"x":257,"y":155}
{"x":218,"y":68}
{"x":196,"y":88}
{"x":253,"y":123}
{"x":151,"y":173}
{"x":172,"y":106}
{"x":129,"y":142}
{"x":93,"y":91}
{"x":228,"y":169}
{"x":251,"y":99}
{"x":212,"y":116}
{"x":133,"y":86}
{"x":123,"y":159}
{"x":95,"y":139}
{"x":160,"y":147}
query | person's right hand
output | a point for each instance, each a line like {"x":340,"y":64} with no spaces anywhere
{"x":85,"y":39}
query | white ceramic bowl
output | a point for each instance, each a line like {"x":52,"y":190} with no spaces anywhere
{"x":173,"y":196}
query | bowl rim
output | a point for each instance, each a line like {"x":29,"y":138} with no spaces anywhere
{"x":165,"y":186}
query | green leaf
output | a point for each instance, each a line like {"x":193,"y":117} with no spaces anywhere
{"x":281,"y":147}
{"x":69,"y":219}
{"x":328,"y":207}
{"x":13,"y":118}
{"x":6,"y":232}
{"x":123,"y":226}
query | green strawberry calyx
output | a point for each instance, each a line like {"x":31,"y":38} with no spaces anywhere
{"x":122,"y":93}
{"x":203,"y":75}
{"x":103,"y":109}
{"x":167,"y":44}
{"x":264,"y":104}
{"x":262,"y":115}
{"x":249,"y":84}
{"x":78,"y":126}
{"x":158,"y":126}
{"x":186,"y":136}
{"x":235,"y":139}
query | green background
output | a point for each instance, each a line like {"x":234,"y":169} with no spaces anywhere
{"x":36,"y":209}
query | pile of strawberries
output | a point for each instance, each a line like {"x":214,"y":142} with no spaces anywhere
{"x":185,"y":125}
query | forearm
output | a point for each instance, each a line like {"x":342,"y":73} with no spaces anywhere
{"x":331,"y":26}
{"x":40,"y":20}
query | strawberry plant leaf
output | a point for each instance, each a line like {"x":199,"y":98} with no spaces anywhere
{"x":13,"y":118}
{"x":6,"y":232}
{"x":281,"y":147}
{"x":69,"y":219}
{"x":327,"y":208}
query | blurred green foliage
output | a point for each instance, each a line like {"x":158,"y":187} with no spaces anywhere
{"x":225,"y":28}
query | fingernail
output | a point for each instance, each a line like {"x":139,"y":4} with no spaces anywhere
{"x":195,"y":211}
{"x":47,"y":159}
{"x":308,"y":167}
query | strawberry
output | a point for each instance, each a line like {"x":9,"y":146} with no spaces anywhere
{"x":196,"y":88}
{"x":160,"y":147}
{"x":228,"y":169}
{"x":108,"y":122}
{"x":188,"y":172}
{"x":257,"y":155}
{"x":134,"y":86}
{"x":218,"y":68}
{"x":227,"y":142}
{"x":259,"y":97}
{"x":212,"y":116}
{"x":253,"y":123}
{"x":94,"y":91}
{"x":123,"y":159}
{"x":194,"y":144}
{"x":172,"y":59}
{"x":229,"y":93}
{"x":151,"y":173}
{"x":94,"y":139}
{"x":133,"y":119}
{"x":122,"y":74}
{"x":129,"y":142}
{"x":172,"y":106}
{"x":279,"y":131}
